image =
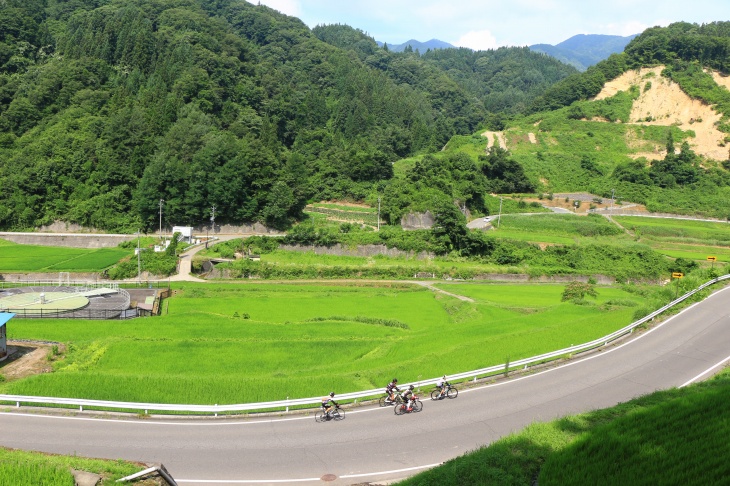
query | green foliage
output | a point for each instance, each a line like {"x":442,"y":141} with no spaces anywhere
{"x":225,"y":104}
{"x":155,"y":263}
{"x":21,"y":468}
{"x":171,"y":250}
{"x":576,"y":291}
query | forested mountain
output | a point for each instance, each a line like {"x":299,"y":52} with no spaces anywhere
{"x":504,"y":80}
{"x":685,"y":48}
{"x":419,"y":46}
{"x":108,"y":106}
{"x":582,"y":51}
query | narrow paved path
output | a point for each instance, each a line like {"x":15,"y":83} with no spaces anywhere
{"x":185,"y":267}
{"x":293,"y":449}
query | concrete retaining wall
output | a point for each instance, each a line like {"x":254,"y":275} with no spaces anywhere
{"x":47,"y":277}
{"x":72,"y":240}
{"x":361,"y":251}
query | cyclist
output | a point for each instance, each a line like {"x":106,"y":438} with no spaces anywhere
{"x":442,"y":384}
{"x":408,"y":397}
{"x":391,"y":389}
{"x":327,"y":404}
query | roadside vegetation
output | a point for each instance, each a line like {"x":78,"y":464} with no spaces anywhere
{"x":21,"y":468}
{"x":677,"y":436}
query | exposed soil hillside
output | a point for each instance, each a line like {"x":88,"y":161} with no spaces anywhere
{"x":662,"y":102}
{"x":490,"y":136}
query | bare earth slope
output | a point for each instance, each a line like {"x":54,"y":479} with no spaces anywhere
{"x":663,"y":103}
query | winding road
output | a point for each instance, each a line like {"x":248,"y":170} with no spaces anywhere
{"x":372,"y":444}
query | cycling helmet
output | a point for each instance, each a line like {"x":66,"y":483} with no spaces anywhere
{"x":410,"y":387}
{"x":332,"y":394}
{"x":444,"y":377}
{"x":395,"y":380}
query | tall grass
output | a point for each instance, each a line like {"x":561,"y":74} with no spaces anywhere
{"x":678,"y":230}
{"x":21,"y":468}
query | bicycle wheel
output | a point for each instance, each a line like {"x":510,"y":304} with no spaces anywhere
{"x":417,"y":406}
{"x":400,"y":409}
{"x":383,"y":403}
{"x":319,"y":417}
{"x":435,"y":394}
{"x":338,"y":414}
{"x":452,"y":393}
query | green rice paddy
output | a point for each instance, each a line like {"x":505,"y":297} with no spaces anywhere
{"x":240,"y":343}
{"x":31,"y":258}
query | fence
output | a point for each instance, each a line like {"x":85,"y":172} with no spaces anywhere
{"x":113,"y":306}
{"x":354,"y":397}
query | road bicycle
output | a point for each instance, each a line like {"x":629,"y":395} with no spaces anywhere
{"x":416,"y":406}
{"x":451,"y":392}
{"x":385,"y":400}
{"x":335,"y":414}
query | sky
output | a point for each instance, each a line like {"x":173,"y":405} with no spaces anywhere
{"x":488,"y":24}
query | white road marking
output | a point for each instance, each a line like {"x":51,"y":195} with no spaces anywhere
{"x":346,"y":476}
{"x":705,"y":372}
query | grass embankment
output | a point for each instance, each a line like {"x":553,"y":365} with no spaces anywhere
{"x":31,"y":258}
{"x":681,"y":238}
{"x":21,"y":468}
{"x":677,"y":436}
{"x":599,"y":248}
{"x":247,"y":343}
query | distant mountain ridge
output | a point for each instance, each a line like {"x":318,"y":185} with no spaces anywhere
{"x":417,"y":45}
{"x":584,"y":50}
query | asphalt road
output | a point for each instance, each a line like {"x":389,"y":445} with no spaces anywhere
{"x":372,"y":444}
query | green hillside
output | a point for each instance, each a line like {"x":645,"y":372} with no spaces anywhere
{"x":108,"y":106}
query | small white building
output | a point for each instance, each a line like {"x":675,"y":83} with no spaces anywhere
{"x":186,"y":233}
{"x":4,"y":318}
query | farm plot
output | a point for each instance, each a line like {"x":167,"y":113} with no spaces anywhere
{"x":556,"y":228}
{"x":681,"y":237}
{"x":31,"y":258}
{"x":242,"y":343}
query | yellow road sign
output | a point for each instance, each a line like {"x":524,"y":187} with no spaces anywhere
{"x":677,"y":275}
{"x":711,"y":258}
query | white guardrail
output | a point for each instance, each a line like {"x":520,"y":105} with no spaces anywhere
{"x":355,"y":396}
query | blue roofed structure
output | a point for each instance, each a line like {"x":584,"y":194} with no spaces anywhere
{"x":4,"y":318}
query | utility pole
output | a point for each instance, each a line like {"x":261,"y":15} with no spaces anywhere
{"x":162,"y":202}
{"x":378,"y":213}
{"x":499,"y":218}
{"x":212,"y":219}
{"x":139,"y":262}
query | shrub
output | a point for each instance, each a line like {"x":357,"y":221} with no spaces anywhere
{"x":576,"y":291}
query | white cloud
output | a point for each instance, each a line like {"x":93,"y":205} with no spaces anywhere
{"x":626,"y":28}
{"x":479,"y":40}
{"x":288,"y":7}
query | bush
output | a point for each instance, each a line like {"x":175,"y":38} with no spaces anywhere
{"x":576,"y":291}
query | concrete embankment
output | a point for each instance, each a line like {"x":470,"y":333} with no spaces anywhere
{"x":73,"y":240}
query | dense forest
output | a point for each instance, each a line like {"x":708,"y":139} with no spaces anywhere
{"x":108,"y":106}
